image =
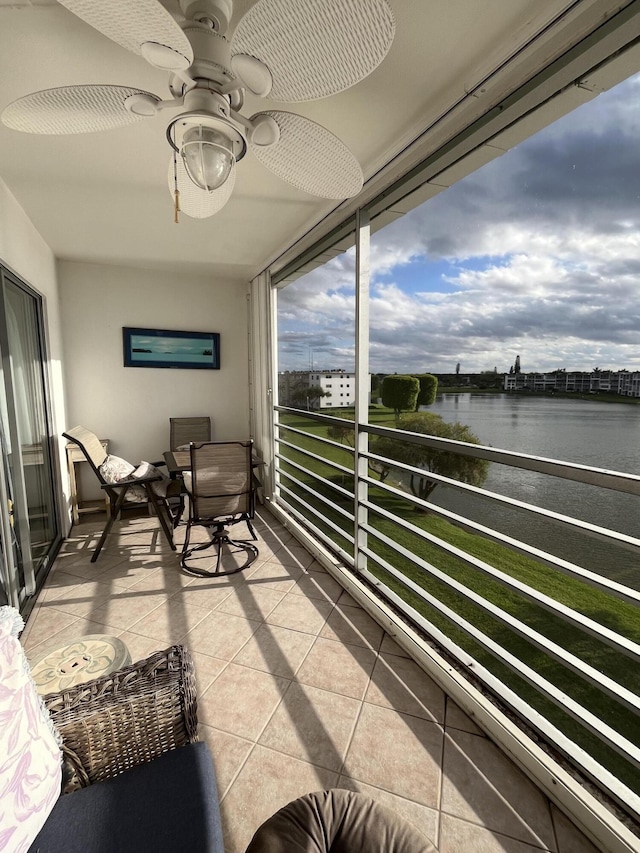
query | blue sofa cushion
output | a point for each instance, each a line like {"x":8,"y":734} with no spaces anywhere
{"x":168,"y":804}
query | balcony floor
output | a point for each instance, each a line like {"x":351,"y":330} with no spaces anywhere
{"x":299,"y":689}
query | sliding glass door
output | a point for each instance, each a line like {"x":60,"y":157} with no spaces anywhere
{"x":29,"y":527}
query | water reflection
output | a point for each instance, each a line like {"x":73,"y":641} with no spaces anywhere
{"x":605,"y":435}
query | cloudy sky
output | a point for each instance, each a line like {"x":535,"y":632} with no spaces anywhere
{"x":537,"y":254}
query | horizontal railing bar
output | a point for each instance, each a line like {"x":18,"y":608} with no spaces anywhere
{"x":612,"y":587}
{"x":344,"y":556}
{"x":313,"y":416}
{"x":344,"y":492}
{"x":621,"y":644}
{"x":335,"y":465}
{"x":608,"y":735}
{"x":566,"y":658}
{"x":599,"y":774}
{"x":583,"y":526}
{"x":339,"y":530}
{"x":616,"y":480}
{"x":334,"y":506}
{"x":338,"y":445}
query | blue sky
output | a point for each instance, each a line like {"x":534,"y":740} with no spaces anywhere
{"x":536,"y":254}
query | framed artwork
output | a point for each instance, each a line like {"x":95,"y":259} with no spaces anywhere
{"x":165,"y":348}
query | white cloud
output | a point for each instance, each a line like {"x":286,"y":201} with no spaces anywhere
{"x":536,"y":254}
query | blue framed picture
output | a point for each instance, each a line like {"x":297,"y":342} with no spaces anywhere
{"x":164,"y":348}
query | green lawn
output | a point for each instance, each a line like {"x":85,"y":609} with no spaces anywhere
{"x":597,"y":605}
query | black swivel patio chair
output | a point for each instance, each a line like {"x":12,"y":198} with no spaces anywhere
{"x":221,"y":493}
{"x":144,"y":482}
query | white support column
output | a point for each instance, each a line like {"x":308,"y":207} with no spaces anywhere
{"x":363,"y":235}
{"x":261,"y":376}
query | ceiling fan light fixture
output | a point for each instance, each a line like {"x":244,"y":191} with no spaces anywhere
{"x":208,"y":157}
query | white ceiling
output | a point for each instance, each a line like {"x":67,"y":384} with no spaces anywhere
{"x":103,"y":197}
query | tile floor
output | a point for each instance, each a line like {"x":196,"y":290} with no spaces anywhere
{"x":299,"y":690}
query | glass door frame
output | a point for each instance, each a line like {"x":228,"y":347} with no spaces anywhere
{"x":21,"y":592}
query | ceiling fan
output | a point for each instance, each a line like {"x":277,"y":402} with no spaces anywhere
{"x":285,"y":50}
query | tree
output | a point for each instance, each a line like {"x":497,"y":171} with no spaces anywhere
{"x":428,"y":389}
{"x":344,"y":433}
{"x":516,"y":366}
{"x":457,"y":368}
{"x":400,"y":393}
{"x":309,"y":395}
{"x":467,"y":469}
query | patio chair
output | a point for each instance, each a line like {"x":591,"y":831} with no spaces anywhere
{"x":182,"y":431}
{"x":221,"y":493}
{"x":121,"y":480}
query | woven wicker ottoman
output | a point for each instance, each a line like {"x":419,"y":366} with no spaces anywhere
{"x":77,"y":662}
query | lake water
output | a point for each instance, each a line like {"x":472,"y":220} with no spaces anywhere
{"x":604,"y":435}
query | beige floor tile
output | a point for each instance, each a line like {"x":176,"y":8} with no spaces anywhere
{"x":318,"y":585}
{"x":568,"y":836}
{"x":400,"y":683}
{"x":79,"y":564}
{"x":481,"y":785}
{"x":455,"y":718}
{"x":341,"y":669}
{"x":44,"y":623}
{"x":204,"y":594}
{"x":353,"y":626}
{"x":58,"y":583}
{"x":275,"y":650}
{"x":422,"y":817}
{"x":293,"y":554}
{"x":170,"y":622}
{"x":78,"y":628}
{"x":314,"y":725}
{"x":300,"y":614}
{"x":457,"y":835}
{"x":267,"y":782}
{"x":207,"y":669}
{"x":274,"y":576}
{"x":398,"y":753}
{"x":168,"y":580}
{"x":82,"y":599}
{"x":389,"y":646}
{"x":241,"y":701}
{"x":251,"y":601}
{"x":347,"y":600}
{"x":220,"y":635}
{"x":129,"y":572}
{"x":140,"y":647}
{"x":229,"y":753}
{"x":124,"y":610}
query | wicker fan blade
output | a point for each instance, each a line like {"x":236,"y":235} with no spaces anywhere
{"x":135,"y":25}
{"x":196,"y":202}
{"x":310,"y":157}
{"x":317,"y":48}
{"x":72,"y":109}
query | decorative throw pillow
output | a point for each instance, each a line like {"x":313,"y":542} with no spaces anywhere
{"x":114,"y":469}
{"x":146,"y":469}
{"x":30,"y":754}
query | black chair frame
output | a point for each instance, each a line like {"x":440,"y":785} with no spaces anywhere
{"x":117,"y":493}
{"x":217,"y":525}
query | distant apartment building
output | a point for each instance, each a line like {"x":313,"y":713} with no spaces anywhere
{"x":295,"y":388}
{"x":623,"y":382}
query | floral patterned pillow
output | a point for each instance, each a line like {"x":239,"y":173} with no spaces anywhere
{"x":114,"y":469}
{"x":30,"y":754}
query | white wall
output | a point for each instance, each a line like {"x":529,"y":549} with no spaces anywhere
{"x":23,"y":250}
{"x":131,"y":406}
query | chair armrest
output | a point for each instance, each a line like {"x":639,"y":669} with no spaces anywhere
{"x":118,"y":721}
{"x":132,"y":481}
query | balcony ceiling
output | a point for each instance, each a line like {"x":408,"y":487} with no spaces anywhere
{"x":103,"y":197}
